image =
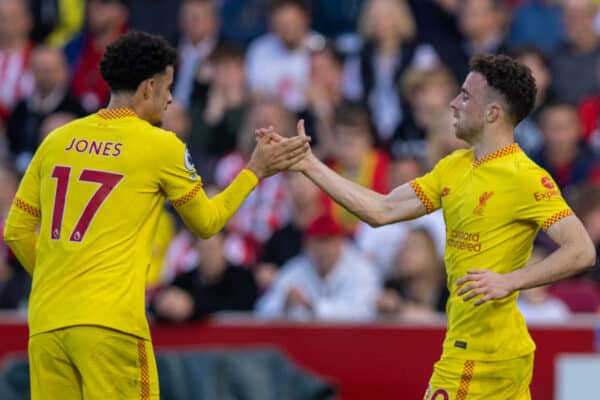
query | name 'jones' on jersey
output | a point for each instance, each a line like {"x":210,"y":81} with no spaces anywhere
{"x":95,"y":147}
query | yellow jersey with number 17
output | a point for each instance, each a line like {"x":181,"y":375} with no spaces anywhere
{"x":493,"y":209}
{"x":98,"y":185}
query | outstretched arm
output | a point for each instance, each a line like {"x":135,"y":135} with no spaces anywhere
{"x":205,"y":217}
{"x":374,"y":208}
{"x":575,"y":254}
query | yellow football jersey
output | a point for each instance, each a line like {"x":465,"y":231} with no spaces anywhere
{"x":493,"y":209}
{"x":97,"y":187}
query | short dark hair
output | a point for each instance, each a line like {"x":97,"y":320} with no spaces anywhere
{"x":228,"y":51}
{"x":328,"y":47}
{"x":301,"y":4}
{"x":512,"y":79}
{"x":135,"y":57}
{"x":352,"y":114}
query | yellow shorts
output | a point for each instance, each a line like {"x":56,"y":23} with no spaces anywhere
{"x":91,"y":362}
{"x":454,"y":379}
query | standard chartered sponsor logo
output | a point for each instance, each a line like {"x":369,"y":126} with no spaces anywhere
{"x":461,"y":240}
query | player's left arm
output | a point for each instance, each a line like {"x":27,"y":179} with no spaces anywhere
{"x":21,"y":228}
{"x":575,"y":254}
{"x":538,"y":201}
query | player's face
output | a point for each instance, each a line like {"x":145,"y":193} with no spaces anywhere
{"x":161,"y":96}
{"x":469,"y":106}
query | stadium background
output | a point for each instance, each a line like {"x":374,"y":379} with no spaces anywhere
{"x":372,"y":79}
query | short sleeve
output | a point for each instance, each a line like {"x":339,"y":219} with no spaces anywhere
{"x":540,"y":199}
{"x":178,"y":178}
{"x":428,"y":187}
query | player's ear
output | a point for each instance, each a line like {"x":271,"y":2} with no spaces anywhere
{"x":493,"y":113}
{"x":147,"y":88}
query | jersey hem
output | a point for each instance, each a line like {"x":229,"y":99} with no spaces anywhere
{"x":138,"y":334}
{"x":451,"y":352}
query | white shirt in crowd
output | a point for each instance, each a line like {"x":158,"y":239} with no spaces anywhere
{"x":381,"y":244}
{"x":348,"y":292}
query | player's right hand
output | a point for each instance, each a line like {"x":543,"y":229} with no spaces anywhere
{"x":273,"y":153}
{"x":276,"y":137}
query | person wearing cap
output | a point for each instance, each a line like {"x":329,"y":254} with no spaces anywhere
{"x":329,"y":279}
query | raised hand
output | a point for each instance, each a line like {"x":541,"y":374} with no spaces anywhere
{"x":273,"y":153}
{"x":276,"y":137}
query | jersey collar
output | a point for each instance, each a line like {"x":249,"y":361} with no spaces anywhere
{"x":503,"y":152}
{"x":116,"y":113}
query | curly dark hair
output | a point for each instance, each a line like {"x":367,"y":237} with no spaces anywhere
{"x":512,"y":79}
{"x":133,"y":58}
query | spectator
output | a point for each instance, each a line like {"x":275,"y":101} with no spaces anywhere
{"x":537,"y":23}
{"x":483,"y":22}
{"x":199,"y":25}
{"x":54,"y":121}
{"x":416,"y":288}
{"x":14,"y":280}
{"x":355,"y":157}
{"x":106,"y":22}
{"x":51,"y":95}
{"x":586,"y":203}
{"x":56,"y":22}
{"x":246,"y":19}
{"x":528,"y":133}
{"x":286,"y":242}
{"x":579,"y":55}
{"x":177,"y":120}
{"x":427,"y":94}
{"x":437,"y":22}
{"x":324,"y":94}
{"x":219,"y":104}
{"x":563,"y":154}
{"x":328,"y":280}
{"x":536,"y":304}
{"x":389,"y":31}
{"x":15,"y":50}
{"x":216,"y":285}
{"x":267,"y":208}
{"x":157,"y":16}
{"x":286,"y":50}
{"x":335,"y":18}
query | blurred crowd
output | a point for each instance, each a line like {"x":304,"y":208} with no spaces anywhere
{"x":372,"y":79}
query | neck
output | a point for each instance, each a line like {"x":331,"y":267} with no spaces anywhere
{"x":10,"y":46}
{"x":561,"y":157}
{"x":123,"y":101}
{"x":212,"y":278}
{"x":587,"y":43}
{"x":423,"y":289}
{"x":482,"y":42}
{"x":303,"y":216}
{"x":491,"y":142}
{"x":103,"y":39}
{"x":389,"y":45}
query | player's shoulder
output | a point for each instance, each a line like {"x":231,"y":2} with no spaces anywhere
{"x":456,"y":158}
{"x":67,"y":129}
{"x":161,"y":136}
{"x":528,"y":173}
{"x":526,"y":166}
